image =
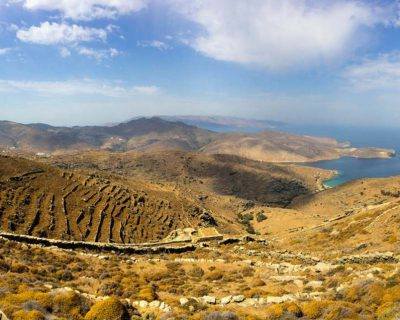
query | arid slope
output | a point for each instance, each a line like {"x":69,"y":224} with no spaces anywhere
{"x":37,"y":199}
{"x":272,"y":146}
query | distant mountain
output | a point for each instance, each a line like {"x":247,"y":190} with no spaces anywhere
{"x":155,"y":134}
{"x":138,"y":134}
{"x":227,"y":124}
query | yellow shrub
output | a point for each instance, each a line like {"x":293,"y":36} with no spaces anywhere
{"x":294,"y":309}
{"x":12,"y":302}
{"x":147,"y":293}
{"x":314,"y":309}
{"x":28,"y":315}
{"x":69,"y":303}
{"x":109,"y":309}
{"x":388,"y":311}
{"x":274,"y":311}
{"x":392,"y":295}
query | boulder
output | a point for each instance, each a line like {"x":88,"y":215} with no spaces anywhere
{"x":183,"y":301}
{"x":209,"y":299}
{"x":238,"y":298}
{"x":226,"y":300}
{"x":143,"y":304}
{"x":154,"y":304}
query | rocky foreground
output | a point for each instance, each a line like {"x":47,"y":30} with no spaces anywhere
{"x":246,"y":280}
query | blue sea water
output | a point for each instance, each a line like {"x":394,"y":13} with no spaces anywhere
{"x":348,"y":168}
{"x":353,"y":168}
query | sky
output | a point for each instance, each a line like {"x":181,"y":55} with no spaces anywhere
{"x":79,"y":62}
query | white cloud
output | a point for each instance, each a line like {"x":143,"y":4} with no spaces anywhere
{"x":87,"y":9}
{"x":279,"y":34}
{"x":4,"y":51}
{"x":51,"y":33}
{"x":98,"y":54}
{"x":382,"y":72}
{"x":160,"y":45}
{"x":76,"y":88}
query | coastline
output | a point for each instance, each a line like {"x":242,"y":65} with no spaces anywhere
{"x":321,"y":186}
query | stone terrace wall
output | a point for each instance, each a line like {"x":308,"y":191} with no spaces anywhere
{"x":98,"y":246}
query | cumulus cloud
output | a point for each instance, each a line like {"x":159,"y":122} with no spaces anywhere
{"x":76,"y":88}
{"x":382,"y":72}
{"x":278,"y":34}
{"x":87,"y":9}
{"x":157,"y":44}
{"x":52,"y":33}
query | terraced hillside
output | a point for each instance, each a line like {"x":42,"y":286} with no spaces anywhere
{"x":199,"y":174}
{"x":36,"y":199}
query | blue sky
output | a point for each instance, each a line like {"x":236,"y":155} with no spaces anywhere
{"x":70,"y":62}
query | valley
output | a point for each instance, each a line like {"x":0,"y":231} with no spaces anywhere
{"x":184,"y":223}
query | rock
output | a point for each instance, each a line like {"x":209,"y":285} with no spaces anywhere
{"x":167,"y":309}
{"x":154,"y":304}
{"x":324,"y":267}
{"x":238,"y":298}
{"x":143,"y":304}
{"x":183,"y":301}
{"x":249,"y":302}
{"x":226,"y":300}
{"x":209,"y":299}
{"x":298,"y":283}
{"x":280,"y":299}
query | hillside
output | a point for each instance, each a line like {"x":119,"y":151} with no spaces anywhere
{"x":231,"y":238}
{"x":139,"y":134}
{"x":138,"y":197}
{"x":271,"y":146}
{"x":155,"y":134}
{"x":36,"y":199}
{"x":357,"y":216}
{"x":264,"y":183}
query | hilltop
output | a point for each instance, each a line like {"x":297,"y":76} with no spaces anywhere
{"x":273,"y":146}
{"x":152,"y":134}
{"x":139,"y":134}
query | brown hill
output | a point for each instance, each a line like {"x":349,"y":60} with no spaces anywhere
{"x":139,"y":134}
{"x":136,"y":197}
{"x":264,"y":183}
{"x":356,"y":217}
{"x":36,"y":199}
{"x":274,"y":146}
{"x":151,"y":134}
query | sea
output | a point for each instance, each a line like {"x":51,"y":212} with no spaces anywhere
{"x":359,"y":136}
{"x":354,"y":168}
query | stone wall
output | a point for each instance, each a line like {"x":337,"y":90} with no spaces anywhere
{"x":98,"y":246}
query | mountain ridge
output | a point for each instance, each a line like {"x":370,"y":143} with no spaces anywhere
{"x":157,"y":134}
